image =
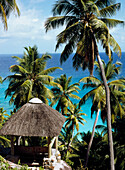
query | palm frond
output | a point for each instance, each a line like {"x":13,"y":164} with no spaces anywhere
{"x":115,"y":45}
{"x":68,"y":35}
{"x":74,"y":96}
{"x":18,"y":59}
{"x":16,"y":8}
{"x":46,"y":77}
{"x":55,"y":22}
{"x":90,"y":80}
{"x":110,"y":10}
{"x":4,"y":141}
{"x":103,"y":4}
{"x":111,"y":23}
{"x":18,"y":69}
{"x":4,"y":18}
{"x":64,"y":7}
{"x":102,"y":128}
{"x":49,"y":70}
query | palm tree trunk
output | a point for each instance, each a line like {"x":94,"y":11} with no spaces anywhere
{"x":110,"y":138}
{"x":91,"y":139}
{"x":71,"y":139}
{"x":72,"y":135}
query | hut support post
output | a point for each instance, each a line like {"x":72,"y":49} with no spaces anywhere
{"x":17,"y":137}
{"x":56,"y":143}
{"x":49,"y":147}
{"x":12,"y":145}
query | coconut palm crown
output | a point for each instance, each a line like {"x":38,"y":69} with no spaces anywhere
{"x":30,"y":78}
{"x":63,"y":93}
{"x":86,"y":23}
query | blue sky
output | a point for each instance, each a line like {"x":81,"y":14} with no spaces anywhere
{"x":28,"y":29}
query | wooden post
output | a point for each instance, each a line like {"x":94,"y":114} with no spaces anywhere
{"x":49,"y":147}
{"x":12,"y":146}
{"x":17,"y":140}
{"x":56,"y":143}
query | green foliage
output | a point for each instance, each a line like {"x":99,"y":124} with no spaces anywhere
{"x":3,"y":118}
{"x":97,"y":92}
{"x":64,"y":141}
{"x":74,"y":117}
{"x":63,"y":93}
{"x":99,"y":157}
{"x":30,"y":78}
{"x":24,"y":167}
{"x":98,"y":153}
{"x":4,"y":165}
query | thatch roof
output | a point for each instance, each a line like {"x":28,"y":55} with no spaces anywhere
{"x":34,"y":119}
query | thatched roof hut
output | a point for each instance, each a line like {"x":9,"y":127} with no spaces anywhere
{"x":34,"y":119}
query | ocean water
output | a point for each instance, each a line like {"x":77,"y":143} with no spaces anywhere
{"x":6,"y":61}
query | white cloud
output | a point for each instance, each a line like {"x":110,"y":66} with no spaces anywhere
{"x":35,"y":20}
{"x":25,"y":26}
{"x":28,"y":29}
{"x":37,"y":1}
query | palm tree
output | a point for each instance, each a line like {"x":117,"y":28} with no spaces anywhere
{"x":64,"y":141}
{"x":74,"y":117}
{"x":30,"y":78}
{"x":3,"y":118}
{"x":99,"y":97}
{"x":86,"y":23}
{"x":63,"y":93}
{"x":6,"y":7}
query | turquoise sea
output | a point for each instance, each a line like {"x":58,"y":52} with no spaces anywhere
{"x":6,"y":61}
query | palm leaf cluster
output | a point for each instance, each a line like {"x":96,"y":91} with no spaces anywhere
{"x":64,"y":141}
{"x":74,"y":117}
{"x":6,"y":7}
{"x":86,"y":23}
{"x":30,"y":78}
{"x":64,"y":93}
{"x":3,"y":118}
{"x":97,"y":92}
